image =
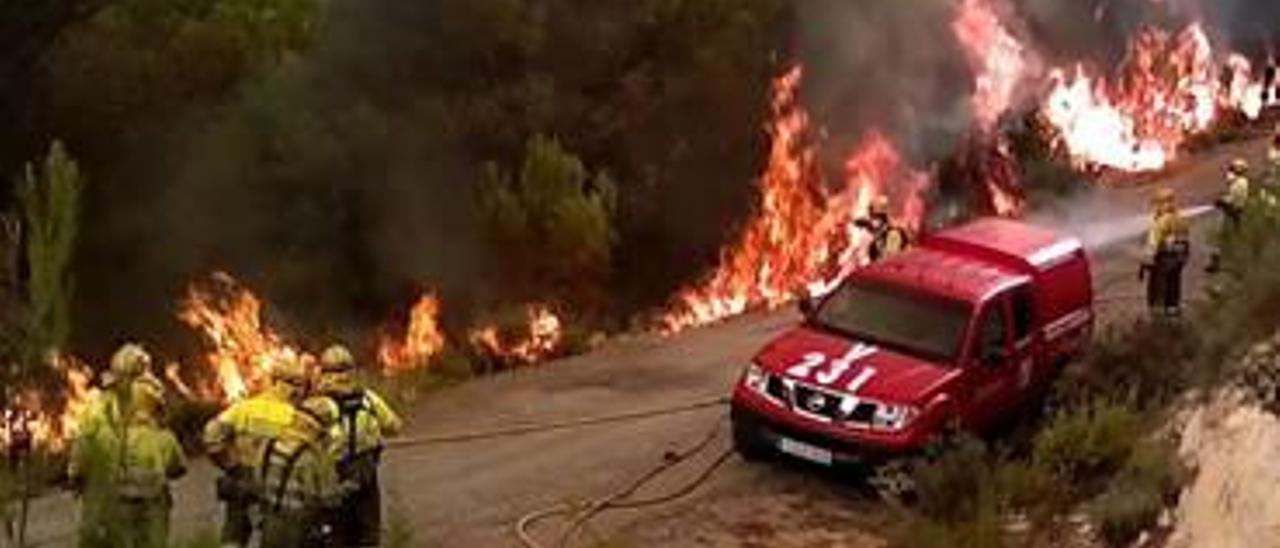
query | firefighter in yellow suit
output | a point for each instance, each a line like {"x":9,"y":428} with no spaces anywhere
{"x":887,"y":237}
{"x":129,"y":363}
{"x":122,"y":468}
{"x":1167,"y":252}
{"x":365,"y":420}
{"x":1232,"y":203}
{"x":300,"y":486}
{"x":235,"y":439}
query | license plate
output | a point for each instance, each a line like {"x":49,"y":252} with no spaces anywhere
{"x":805,"y":451}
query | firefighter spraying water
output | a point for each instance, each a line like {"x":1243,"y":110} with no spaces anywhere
{"x":1168,"y":249}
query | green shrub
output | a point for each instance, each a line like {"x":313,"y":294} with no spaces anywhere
{"x":953,"y":487}
{"x":1123,"y":514}
{"x":1144,"y":364}
{"x":1024,"y":485}
{"x":552,"y":225}
{"x":1087,"y":443}
{"x":207,"y":538}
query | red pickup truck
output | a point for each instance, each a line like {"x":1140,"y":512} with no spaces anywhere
{"x":959,"y":332}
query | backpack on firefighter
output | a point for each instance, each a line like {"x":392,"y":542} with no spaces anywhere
{"x":299,"y":486}
{"x":364,"y":422}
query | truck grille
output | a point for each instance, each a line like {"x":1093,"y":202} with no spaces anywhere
{"x":819,"y":402}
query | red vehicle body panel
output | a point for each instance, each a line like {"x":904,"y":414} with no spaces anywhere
{"x":1034,"y":284}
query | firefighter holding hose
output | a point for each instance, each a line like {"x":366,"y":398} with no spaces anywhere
{"x":887,"y":237}
{"x":1232,"y":204}
{"x":365,"y":420}
{"x":236,"y":438}
{"x":1167,"y":251}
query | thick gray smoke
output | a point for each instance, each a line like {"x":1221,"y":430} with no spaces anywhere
{"x":889,"y":66}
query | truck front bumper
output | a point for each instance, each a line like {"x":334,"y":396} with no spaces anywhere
{"x":757,"y":432}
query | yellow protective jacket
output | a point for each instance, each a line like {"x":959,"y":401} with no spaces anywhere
{"x":1167,"y":229}
{"x":235,"y":437}
{"x":108,"y":406}
{"x":1238,"y":190}
{"x":132,"y":461}
{"x":364,"y":421}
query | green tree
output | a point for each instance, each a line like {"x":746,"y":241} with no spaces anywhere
{"x":553,"y":224}
{"x":50,"y":198}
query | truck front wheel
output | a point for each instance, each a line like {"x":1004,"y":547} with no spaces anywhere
{"x":748,"y":442}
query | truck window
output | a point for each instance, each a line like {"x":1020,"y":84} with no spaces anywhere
{"x":1023,"y":312}
{"x":991,"y":341}
{"x":895,"y":317}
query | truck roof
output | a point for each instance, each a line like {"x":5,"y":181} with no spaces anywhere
{"x":948,"y":275}
{"x":1017,"y":245}
{"x":970,"y":262}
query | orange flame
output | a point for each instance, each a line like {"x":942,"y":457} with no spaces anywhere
{"x":422,"y":339}
{"x":999,"y":59}
{"x":1168,"y":90}
{"x":229,"y":317}
{"x":541,"y":338}
{"x":48,"y":424}
{"x":803,"y":237}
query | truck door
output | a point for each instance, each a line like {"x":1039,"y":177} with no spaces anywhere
{"x":992,"y":369}
{"x":1031,"y":372}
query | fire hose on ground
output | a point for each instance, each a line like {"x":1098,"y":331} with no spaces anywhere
{"x":580,"y":515}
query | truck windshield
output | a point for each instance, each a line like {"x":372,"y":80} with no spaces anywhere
{"x":884,"y":315}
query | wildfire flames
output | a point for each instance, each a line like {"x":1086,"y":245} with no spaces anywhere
{"x":422,"y":339}
{"x":804,"y":236}
{"x":1000,"y":61}
{"x":1171,"y":87}
{"x":32,"y":418}
{"x":230,"y":318}
{"x":540,"y":339}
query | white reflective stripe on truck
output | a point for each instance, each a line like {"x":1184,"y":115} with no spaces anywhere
{"x":1067,"y":323}
{"x":1049,"y":257}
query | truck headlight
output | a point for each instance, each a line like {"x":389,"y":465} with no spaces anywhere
{"x":893,"y":418}
{"x":755,"y":378}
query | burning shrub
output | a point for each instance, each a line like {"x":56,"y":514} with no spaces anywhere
{"x":519,"y":336}
{"x":552,"y":225}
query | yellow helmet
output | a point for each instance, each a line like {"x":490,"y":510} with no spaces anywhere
{"x":1238,"y":166}
{"x":285,"y":367}
{"x":129,"y":362}
{"x":880,"y":205}
{"x":337,"y":358}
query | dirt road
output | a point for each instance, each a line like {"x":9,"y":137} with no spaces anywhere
{"x":468,"y":495}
